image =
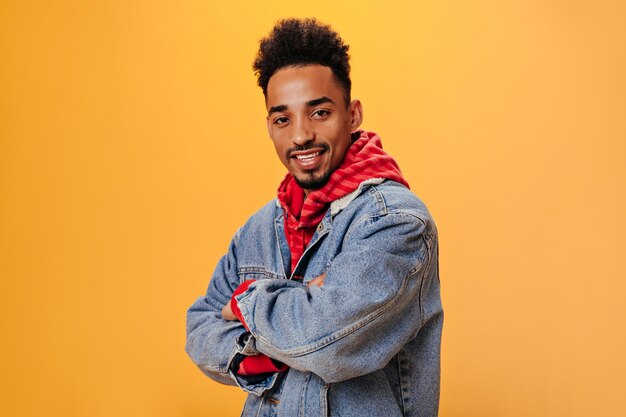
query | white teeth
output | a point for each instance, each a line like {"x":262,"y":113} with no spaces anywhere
{"x":307,"y":157}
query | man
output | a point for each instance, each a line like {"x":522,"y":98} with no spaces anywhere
{"x":327,"y":302}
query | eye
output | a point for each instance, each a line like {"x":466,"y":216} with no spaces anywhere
{"x":320,"y":114}
{"x":281,"y":120}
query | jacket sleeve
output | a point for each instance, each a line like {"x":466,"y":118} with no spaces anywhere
{"x":215,"y":345}
{"x":369,"y":307}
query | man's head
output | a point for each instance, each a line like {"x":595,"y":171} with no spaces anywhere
{"x":299,"y":42}
{"x":303,"y":69}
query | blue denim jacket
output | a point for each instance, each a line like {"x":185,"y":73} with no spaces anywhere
{"x":366,"y":343}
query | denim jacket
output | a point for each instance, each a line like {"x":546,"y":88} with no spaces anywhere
{"x":366,"y":343}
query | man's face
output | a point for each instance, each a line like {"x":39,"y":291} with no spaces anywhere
{"x":309,"y":122}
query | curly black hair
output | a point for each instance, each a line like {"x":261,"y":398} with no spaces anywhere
{"x":300,"y":42}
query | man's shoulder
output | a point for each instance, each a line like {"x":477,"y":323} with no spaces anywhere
{"x":389,"y":197}
{"x":259,"y":225}
{"x":264,"y":215}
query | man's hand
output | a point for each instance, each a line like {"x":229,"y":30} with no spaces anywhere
{"x":227,"y":312}
{"x":317,"y":281}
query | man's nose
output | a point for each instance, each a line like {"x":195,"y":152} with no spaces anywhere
{"x":302,"y":132}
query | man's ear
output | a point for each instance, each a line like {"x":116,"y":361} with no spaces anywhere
{"x":355,"y":109}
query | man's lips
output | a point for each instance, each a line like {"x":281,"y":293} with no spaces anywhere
{"x":308,"y":159}
{"x":307,"y":154}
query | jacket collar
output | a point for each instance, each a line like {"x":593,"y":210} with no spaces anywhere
{"x":341,"y":203}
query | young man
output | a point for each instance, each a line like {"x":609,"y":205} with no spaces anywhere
{"x":327,"y":302}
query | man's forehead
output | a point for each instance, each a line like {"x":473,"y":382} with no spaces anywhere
{"x":292,"y":86}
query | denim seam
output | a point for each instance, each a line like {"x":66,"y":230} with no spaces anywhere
{"x":257,"y":270}
{"x":400,"y":382}
{"x":303,"y":394}
{"x":244,"y":310}
{"x":404,"y":383}
{"x":278,"y":241}
{"x":324,"y":399}
{"x":307,"y":251}
{"x":380,"y":200}
{"x":258,"y":410}
{"x":421,"y":295}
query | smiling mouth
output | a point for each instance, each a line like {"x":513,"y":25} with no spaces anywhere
{"x":308,"y":157}
{"x":307,"y":154}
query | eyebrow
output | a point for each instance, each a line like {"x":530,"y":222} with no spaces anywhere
{"x":277,"y":109}
{"x":318,"y":101}
{"x":310,"y":103}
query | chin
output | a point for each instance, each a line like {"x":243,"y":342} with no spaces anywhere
{"x":312,"y":181}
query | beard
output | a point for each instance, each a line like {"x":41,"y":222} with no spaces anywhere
{"x":312,"y":181}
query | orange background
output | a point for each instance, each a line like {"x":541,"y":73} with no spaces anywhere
{"x":133,"y":144}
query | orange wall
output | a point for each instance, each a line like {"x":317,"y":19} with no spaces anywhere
{"x":133,"y":144}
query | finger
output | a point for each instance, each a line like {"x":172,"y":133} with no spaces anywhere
{"x":227,"y":312}
{"x":317,"y":281}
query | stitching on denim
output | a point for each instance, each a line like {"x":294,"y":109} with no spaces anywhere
{"x":277,"y":225}
{"x":258,"y":410}
{"x":305,"y":255}
{"x":302,"y":394}
{"x":324,"y":399}
{"x":421,"y":297}
{"x":400,"y":381}
{"x":405,"y":381}
{"x":380,"y":200}
{"x":257,"y":270}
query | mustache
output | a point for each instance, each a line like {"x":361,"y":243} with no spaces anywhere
{"x":306,"y":147}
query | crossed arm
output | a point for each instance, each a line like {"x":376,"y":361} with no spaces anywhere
{"x":347,"y":323}
{"x":227,"y":311}
{"x":260,"y":363}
